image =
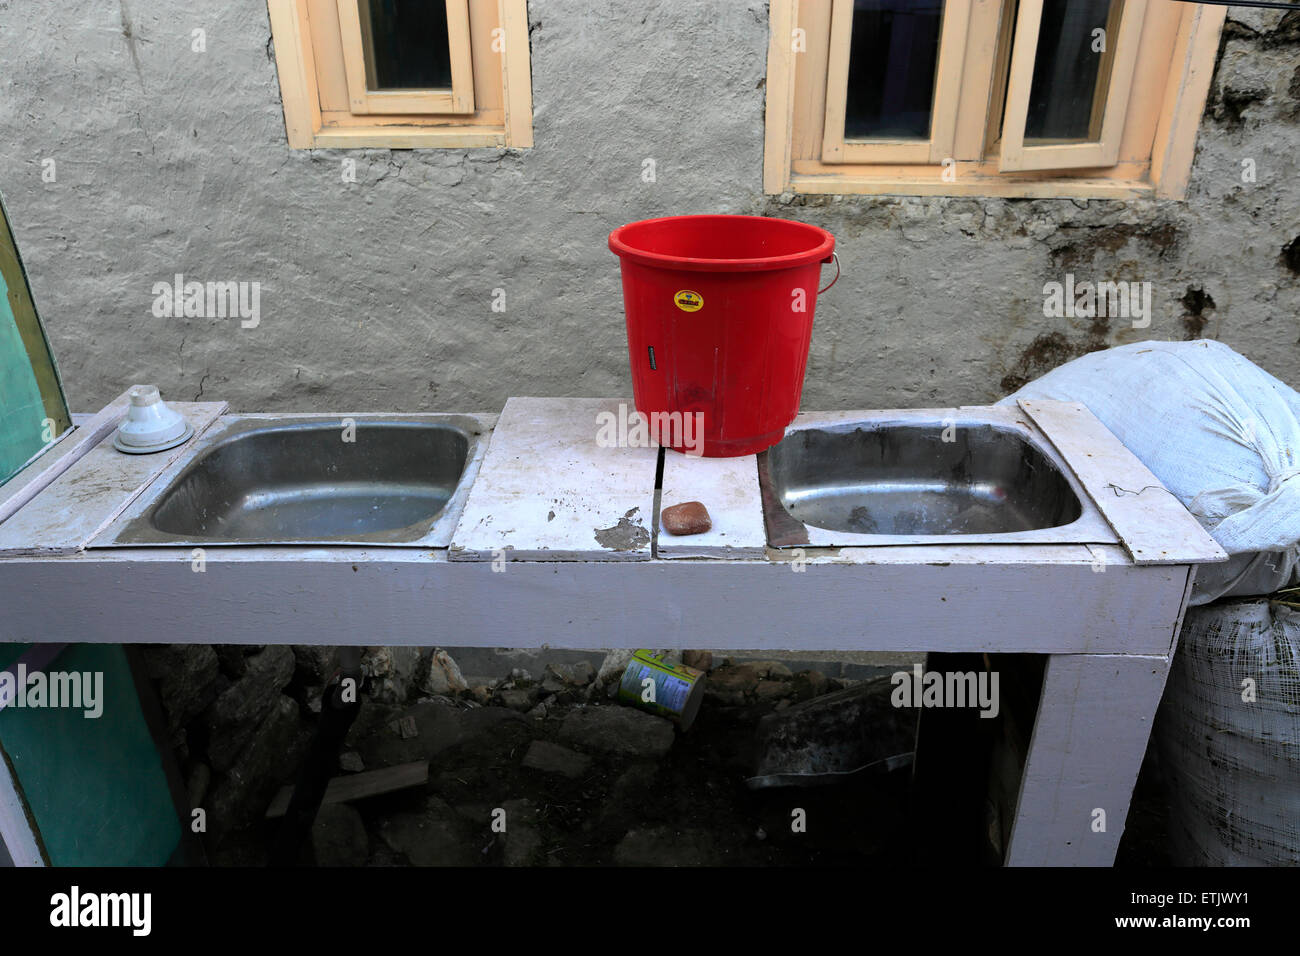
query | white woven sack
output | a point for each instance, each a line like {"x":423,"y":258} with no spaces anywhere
{"x":1232,"y":764}
{"x":1218,"y":431}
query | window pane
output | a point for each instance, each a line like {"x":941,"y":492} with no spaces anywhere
{"x":407,"y":46}
{"x":30,"y":393}
{"x":892,"y":58}
{"x":1067,"y":67}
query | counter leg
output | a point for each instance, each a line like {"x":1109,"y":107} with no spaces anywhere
{"x":1094,"y":719}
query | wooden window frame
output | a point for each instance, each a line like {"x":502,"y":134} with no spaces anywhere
{"x":1110,"y":103}
{"x":365,"y":101}
{"x":1157,"y":116}
{"x":322,"y":110}
{"x":947,"y":88}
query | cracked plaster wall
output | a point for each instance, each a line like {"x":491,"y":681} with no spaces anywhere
{"x":377,"y":295}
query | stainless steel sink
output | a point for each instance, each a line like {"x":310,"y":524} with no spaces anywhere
{"x":258,"y":479}
{"x":907,"y":479}
{"x":920,"y":478}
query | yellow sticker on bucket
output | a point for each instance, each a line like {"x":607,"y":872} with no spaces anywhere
{"x":689,"y":301}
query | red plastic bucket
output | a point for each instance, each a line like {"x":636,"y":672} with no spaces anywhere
{"x":719,"y":316}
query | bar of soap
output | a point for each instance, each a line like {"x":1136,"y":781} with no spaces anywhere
{"x":690,"y":517}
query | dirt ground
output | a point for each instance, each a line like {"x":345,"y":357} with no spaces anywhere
{"x":689,"y":806}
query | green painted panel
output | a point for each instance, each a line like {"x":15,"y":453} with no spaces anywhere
{"x":32,"y":408}
{"x":11,"y":652}
{"x":95,"y":786}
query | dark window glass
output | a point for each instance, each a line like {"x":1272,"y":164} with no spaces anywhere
{"x":1063,"y":93}
{"x":408,"y":47}
{"x":894,"y":50}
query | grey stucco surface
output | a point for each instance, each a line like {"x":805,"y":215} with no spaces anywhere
{"x":377,"y":295}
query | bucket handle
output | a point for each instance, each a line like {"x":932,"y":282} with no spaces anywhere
{"x":836,"y":257}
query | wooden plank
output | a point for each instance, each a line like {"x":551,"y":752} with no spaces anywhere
{"x":489,"y":86}
{"x":297,"y":72}
{"x":358,"y":786}
{"x":20,"y":841}
{"x":22,"y":487}
{"x":834,"y":147}
{"x":1114,"y":86}
{"x":485,"y":120}
{"x":1104,"y":104}
{"x":462,"y":65}
{"x":938,"y":146}
{"x":414,"y":597}
{"x":1119,"y":174}
{"x":331,"y":79}
{"x":948,"y":78}
{"x":327,"y":54}
{"x":837,"y":79}
{"x":1020,"y":73}
{"x":516,"y":73}
{"x":1150,"y":76}
{"x":352,"y":33}
{"x":362,"y":100}
{"x":808,"y":120}
{"x":74,"y":507}
{"x":779,"y":108}
{"x":1094,"y":719}
{"x":927,"y":182}
{"x":995,"y":49}
{"x":411,"y":137}
{"x":1195,"y":51}
{"x":547,"y":490}
{"x":728,"y":488}
{"x":1151,"y":523}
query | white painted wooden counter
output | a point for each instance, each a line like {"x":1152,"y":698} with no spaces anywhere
{"x":559,"y":545}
